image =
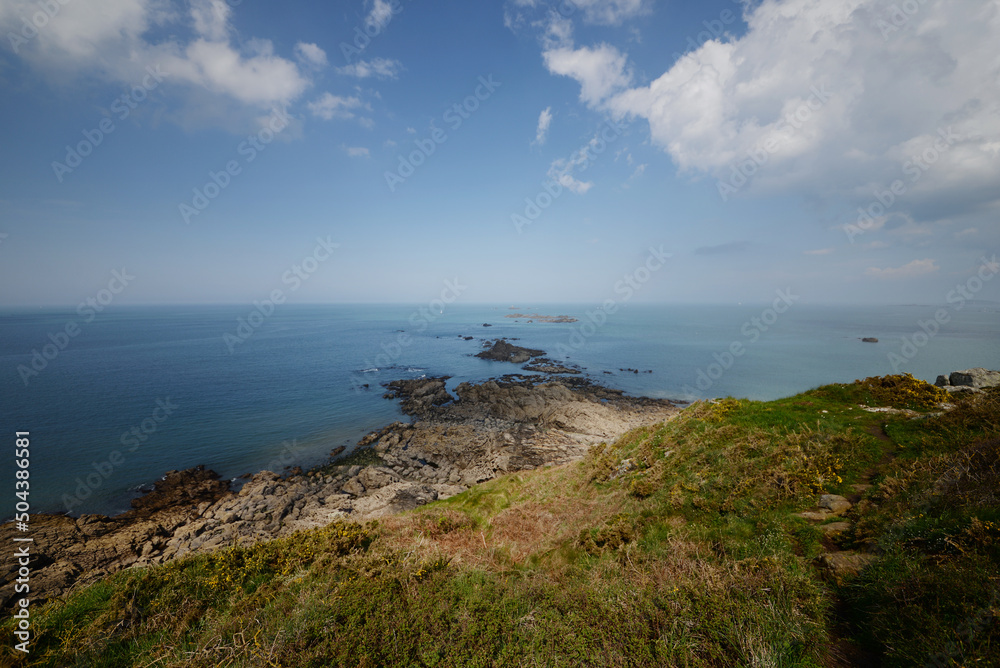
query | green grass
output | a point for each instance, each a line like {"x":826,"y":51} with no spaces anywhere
{"x":693,"y":557}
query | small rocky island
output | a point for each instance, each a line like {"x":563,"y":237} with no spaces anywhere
{"x":537,"y":317}
{"x":503,"y":351}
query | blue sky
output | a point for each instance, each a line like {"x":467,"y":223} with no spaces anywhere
{"x":743,"y":139}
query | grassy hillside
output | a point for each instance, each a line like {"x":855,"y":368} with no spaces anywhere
{"x":676,"y":545}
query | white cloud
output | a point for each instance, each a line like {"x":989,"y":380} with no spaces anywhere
{"x":383,"y":68}
{"x":611,"y":12}
{"x":846,"y":108}
{"x":544,"y":121}
{"x":110,"y":39}
{"x":558,"y":32}
{"x":329,"y":106}
{"x":819,"y":251}
{"x":601,"y":12}
{"x":211,"y":19}
{"x":600,"y":70}
{"x":909,"y":270}
{"x":380,"y":13}
{"x":311,"y":54}
{"x":570,"y":182}
{"x":260,"y":79}
{"x":357,"y":152}
{"x":561,"y":170}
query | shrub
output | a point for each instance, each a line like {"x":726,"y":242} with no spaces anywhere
{"x":902,"y":391}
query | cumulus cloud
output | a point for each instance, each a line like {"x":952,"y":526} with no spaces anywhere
{"x":836,"y":99}
{"x":909,"y":270}
{"x":544,"y":121}
{"x":329,"y":106}
{"x":259,"y":78}
{"x":383,"y":68}
{"x":600,"y":70}
{"x":311,"y":54}
{"x":211,"y":19}
{"x":111,"y":39}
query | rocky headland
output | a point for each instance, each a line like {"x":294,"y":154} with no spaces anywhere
{"x":454,"y":441}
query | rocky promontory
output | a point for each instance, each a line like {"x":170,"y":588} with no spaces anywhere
{"x":484,"y":430}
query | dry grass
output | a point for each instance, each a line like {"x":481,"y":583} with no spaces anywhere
{"x":545,"y":512}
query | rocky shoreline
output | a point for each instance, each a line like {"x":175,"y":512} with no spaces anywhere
{"x":484,"y":430}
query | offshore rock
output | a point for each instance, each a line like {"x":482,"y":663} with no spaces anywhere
{"x":502,"y":351}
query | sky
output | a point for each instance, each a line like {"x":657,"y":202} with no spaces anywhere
{"x":211,"y":151}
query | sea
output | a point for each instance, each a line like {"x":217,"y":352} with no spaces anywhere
{"x":112,"y":400}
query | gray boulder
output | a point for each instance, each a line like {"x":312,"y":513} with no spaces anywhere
{"x":977,"y":378}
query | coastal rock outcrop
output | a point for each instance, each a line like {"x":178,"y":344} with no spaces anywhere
{"x":545,"y":365}
{"x":505,"y":425}
{"x":973,"y":379}
{"x":502,"y":351}
{"x":420,"y":395}
{"x":66,"y":550}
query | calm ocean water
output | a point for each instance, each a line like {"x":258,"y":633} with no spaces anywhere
{"x":139,"y":391}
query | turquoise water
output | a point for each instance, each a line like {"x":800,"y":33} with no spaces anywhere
{"x":196,"y":390}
